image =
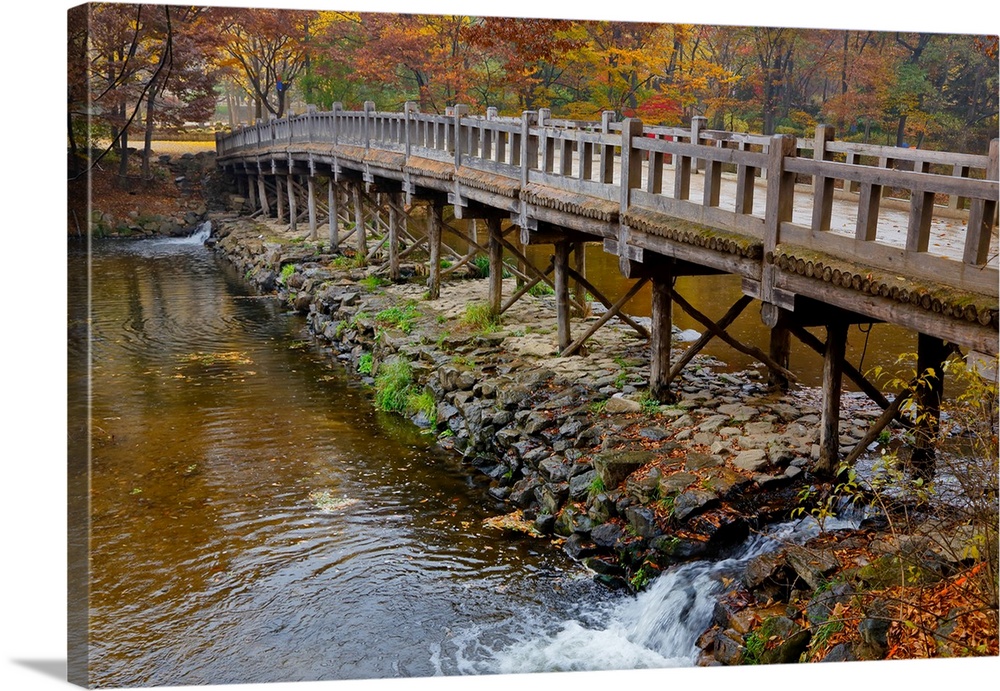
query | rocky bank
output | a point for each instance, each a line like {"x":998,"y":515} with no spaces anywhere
{"x":578,"y":454}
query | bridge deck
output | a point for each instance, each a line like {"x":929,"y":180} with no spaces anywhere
{"x":802,"y":230}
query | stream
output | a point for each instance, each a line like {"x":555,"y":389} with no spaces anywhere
{"x":254,"y":519}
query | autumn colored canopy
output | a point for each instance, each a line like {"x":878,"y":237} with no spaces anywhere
{"x":150,"y":64}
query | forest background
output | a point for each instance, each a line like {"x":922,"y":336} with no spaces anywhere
{"x":33,"y":372}
{"x":152,"y":67}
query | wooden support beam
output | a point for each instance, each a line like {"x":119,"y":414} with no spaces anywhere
{"x":528,"y":285}
{"x":292,"y":213}
{"x":528,"y":267}
{"x":378,"y":246}
{"x":262,"y":194}
{"x":561,"y":260}
{"x":850,"y":370}
{"x":434,"y":223}
{"x":929,"y":389}
{"x":752,"y":351}
{"x":252,"y":191}
{"x":361,"y":239}
{"x":829,"y":431}
{"x":605,"y":318}
{"x":334,"y":221}
{"x":280,"y":191}
{"x":496,"y":265}
{"x":660,"y":341}
{"x":891,"y":411}
{"x":582,"y":281}
{"x":311,"y":185}
{"x":779,"y":348}
{"x":395,"y":221}
{"x":728,"y":318}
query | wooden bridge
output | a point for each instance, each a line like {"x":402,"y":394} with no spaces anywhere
{"x":822,"y":232}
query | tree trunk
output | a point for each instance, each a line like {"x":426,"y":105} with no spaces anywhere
{"x":147,"y":145}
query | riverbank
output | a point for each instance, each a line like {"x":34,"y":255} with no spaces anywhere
{"x":183,"y":188}
{"x":577,"y":454}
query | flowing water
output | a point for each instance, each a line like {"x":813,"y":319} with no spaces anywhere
{"x":252,"y":518}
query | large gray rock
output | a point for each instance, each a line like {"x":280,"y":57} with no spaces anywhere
{"x":620,"y":404}
{"x":676,"y":482}
{"x":614,"y":466}
{"x":752,"y":460}
{"x":692,"y":502}
{"x":793,"y":641}
{"x":812,"y":565}
{"x":643,"y":521}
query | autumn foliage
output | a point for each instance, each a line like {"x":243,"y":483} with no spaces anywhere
{"x":141,"y":64}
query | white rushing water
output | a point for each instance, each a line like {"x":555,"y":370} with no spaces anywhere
{"x":655,"y":629}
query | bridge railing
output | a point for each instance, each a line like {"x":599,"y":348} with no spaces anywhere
{"x":665,"y":153}
{"x":702,"y":176}
{"x":489,"y":143}
{"x":963,"y":263}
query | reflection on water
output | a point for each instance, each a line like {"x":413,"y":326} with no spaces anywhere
{"x":253,"y":519}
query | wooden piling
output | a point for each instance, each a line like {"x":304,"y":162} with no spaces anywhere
{"x":279,"y":191}
{"x":561,"y":262}
{"x":496,"y":265}
{"x":311,"y":186}
{"x":833,"y":367}
{"x":331,"y":201}
{"x":780,"y":348}
{"x":395,"y":221}
{"x":434,"y":222}
{"x":252,"y":191}
{"x":292,"y":212}
{"x":660,"y":337}
{"x":262,"y":194}
{"x":361,"y":236}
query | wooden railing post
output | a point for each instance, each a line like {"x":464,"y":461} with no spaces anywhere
{"x":631,"y":178}
{"x":982,"y":213}
{"x":822,"y":186}
{"x":745,"y":176}
{"x":529,"y":145}
{"x":606,"y":169}
{"x":698,"y":123}
{"x":459,"y":111}
{"x":409,"y":109}
{"x":337,"y":108}
{"x":545,"y":145}
{"x":955,"y":202}
{"x":778,"y":210}
{"x":369,"y":110}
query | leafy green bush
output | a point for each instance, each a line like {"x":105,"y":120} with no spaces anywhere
{"x":401,"y":318}
{"x":479,"y":317}
{"x":541,"y":289}
{"x":482,"y":264}
{"x":365,"y":363}
{"x":392,"y":386}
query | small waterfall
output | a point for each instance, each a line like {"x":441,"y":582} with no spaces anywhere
{"x":657,"y":628}
{"x":199,"y":236}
